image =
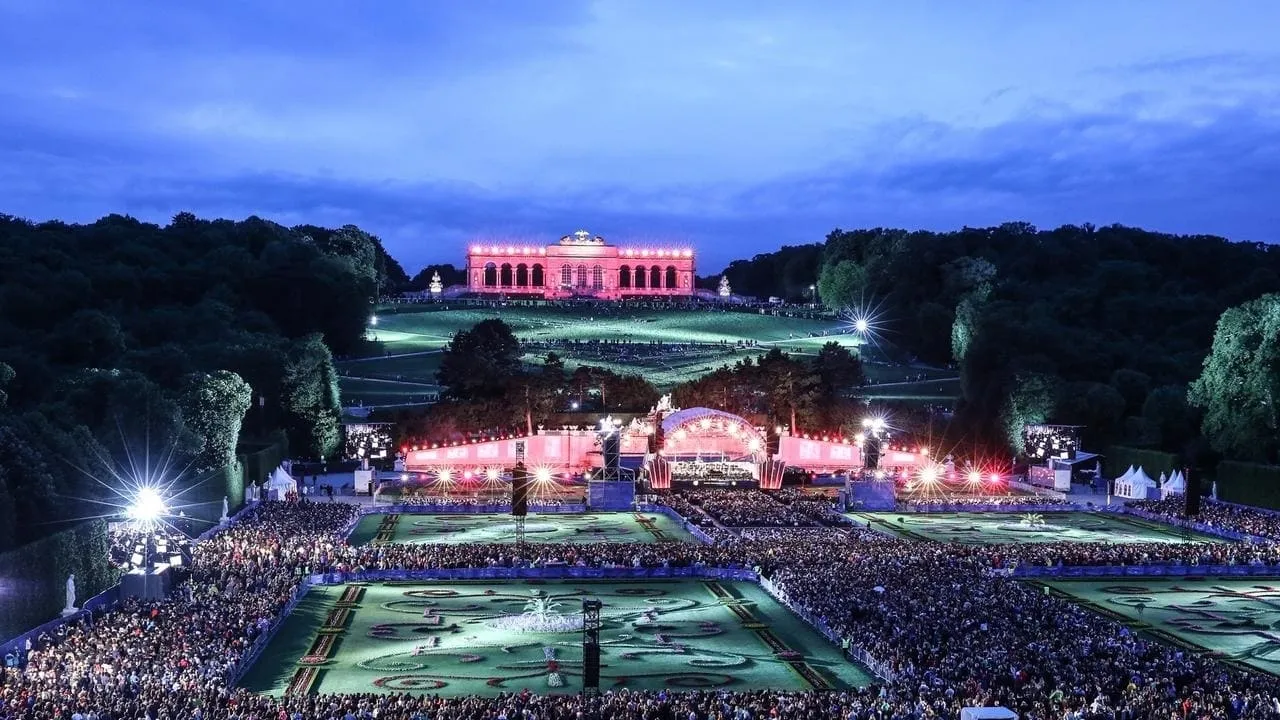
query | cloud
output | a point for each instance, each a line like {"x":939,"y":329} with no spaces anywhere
{"x":734,"y":128}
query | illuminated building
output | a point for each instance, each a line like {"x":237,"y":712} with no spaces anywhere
{"x":580,"y":265}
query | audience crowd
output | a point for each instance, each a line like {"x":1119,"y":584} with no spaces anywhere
{"x":947,"y":632}
{"x":1236,"y":518}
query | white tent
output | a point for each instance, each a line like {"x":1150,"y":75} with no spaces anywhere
{"x":1135,"y":485}
{"x":280,"y":484}
{"x":1175,"y":485}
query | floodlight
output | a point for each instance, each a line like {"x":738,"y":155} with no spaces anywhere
{"x":861,"y":325}
{"x":929,"y":475}
{"x":542,"y":475}
{"x":491,"y":473}
{"x":974,"y":476}
{"x":147,"y":505}
{"x":995,"y":477}
{"x":373,"y":320}
{"x":444,"y":475}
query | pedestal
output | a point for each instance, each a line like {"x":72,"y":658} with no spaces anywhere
{"x":152,"y":585}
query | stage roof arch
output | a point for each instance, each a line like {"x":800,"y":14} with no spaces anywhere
{"x":701,"y":430}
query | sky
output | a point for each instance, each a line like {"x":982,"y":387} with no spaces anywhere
{"x":731,"y":126}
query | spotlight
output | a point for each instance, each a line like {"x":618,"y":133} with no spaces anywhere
{"x":542,"y":475}
{"x":147,"y":505}
{"x":975,"y":476}
{"x":373,"y":320}
{"x":492,"y":473}
{"x":929,"y":475}
{"x":860,"y":325}
{"x":995,"y":477}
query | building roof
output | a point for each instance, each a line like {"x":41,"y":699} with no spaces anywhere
{"x":680,"y":417}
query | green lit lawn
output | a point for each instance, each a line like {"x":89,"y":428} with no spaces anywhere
{"x":656,"y":634}
{"x":549,"y":528}
{"x":986,"y":528}
{"x":429,"y":330}
{"x":1232,"y":616}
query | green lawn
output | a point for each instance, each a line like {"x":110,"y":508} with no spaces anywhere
{"x":1233,"y":617}
{"x":552,"y":528}
{"x":429,"y":330}
{"x":986,"y":528}
{"x":455,"y":639}
{"x":423,"y":333}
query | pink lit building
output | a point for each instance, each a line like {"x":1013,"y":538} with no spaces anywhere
{"x":580,"y":265}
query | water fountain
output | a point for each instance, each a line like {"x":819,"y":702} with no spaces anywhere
{"x":541,"y":614}
{"x":1031,"y":523}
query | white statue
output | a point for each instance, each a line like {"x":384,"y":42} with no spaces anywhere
{"x":70,"y":609}
{"x":664,"y":404}
{"x":437,"y":286}
{"x":224,"y":508}
{"x":725,"y":290}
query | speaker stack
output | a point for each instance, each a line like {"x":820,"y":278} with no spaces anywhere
{"x":519,"y":490}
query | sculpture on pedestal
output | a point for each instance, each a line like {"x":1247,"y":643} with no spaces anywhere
{"x":437,"y":286}
{"x":725,"y":290}
{"x":224,"y":508}
{"x":71,"y":596}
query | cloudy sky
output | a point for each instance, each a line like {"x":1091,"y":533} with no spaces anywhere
{"x":732,"y":125}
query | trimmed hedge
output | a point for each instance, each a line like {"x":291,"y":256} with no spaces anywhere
{"x":1153,"y":462}
{"x":33,"y":578}
{"x":1249,"y":484}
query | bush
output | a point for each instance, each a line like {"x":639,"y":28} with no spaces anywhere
{"x":1249,"y":484}
{"x":1153,"y":462}
{"x":33,"y":578}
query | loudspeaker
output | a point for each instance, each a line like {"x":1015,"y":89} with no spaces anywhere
{"x":611,"y":448}
{"x":590,"y":665}
{"x":519,"y":490}
{"x":1193,"y":492}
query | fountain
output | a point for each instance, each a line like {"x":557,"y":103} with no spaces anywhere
{"x":541,"y":614}
{"x":1030,"y":523}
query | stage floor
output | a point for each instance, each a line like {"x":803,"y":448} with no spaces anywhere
{"x":990,"y":528}
{"x":539,"y":528}
{"x":447,"y":638}
{"x":1235,"y":617}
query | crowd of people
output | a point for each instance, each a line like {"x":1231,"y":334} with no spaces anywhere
{"x":948,"y":632}
{"x":746,"y":507}
{"x":1224,"y":516}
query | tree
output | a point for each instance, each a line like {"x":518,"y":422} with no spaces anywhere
{"x":481,"y":362}
{"x":6,"y":376}
{"x":1030,"y":402}
{"x":213,"y":406}
{"x":792,"y":389}
{"x":843,"y":284}
{"x":838,"y":369}
{"x":1239,"y":387}
{"x":309,"y":398}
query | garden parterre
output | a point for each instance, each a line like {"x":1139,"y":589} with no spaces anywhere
{"x":951,"y":632}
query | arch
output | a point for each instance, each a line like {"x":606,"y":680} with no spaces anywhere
{"x":538,"y":278}
{"x":705,"y":431}
{"x":582,"y":276}
{"x":566,"y":276}
{"x":655,"y":277}
{"x":597,"y":278}
{"x":671,"y":277}
{"x":624,"y":277}
{"x":522,"y":275}
{"x":640,"y":277}
{"x":504,"y":275}
{"x":490,"y":275}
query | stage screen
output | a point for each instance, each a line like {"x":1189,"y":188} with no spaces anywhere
{"x":368,"y":441}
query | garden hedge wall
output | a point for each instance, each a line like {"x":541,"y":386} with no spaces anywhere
{"x":1249,"y":484}
{"x":33,"y":578}
{"x":1153,"y":462}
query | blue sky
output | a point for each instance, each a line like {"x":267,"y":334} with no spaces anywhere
{"x":734,"y":126}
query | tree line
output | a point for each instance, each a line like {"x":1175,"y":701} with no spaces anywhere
{"x":1107,"y":327}
{"x":125,"y":343}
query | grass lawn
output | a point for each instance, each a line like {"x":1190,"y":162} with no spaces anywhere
{"x":460,"y":639}
{"x":429,"y":330}
{"x":554,"y":528}
{"x":987,"y":528}
{"x":1232,"y":617}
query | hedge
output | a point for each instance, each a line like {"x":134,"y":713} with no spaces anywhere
{"x":1249,"y":484}
{"x":1153,"y":462}
{"x":33,"y":578}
